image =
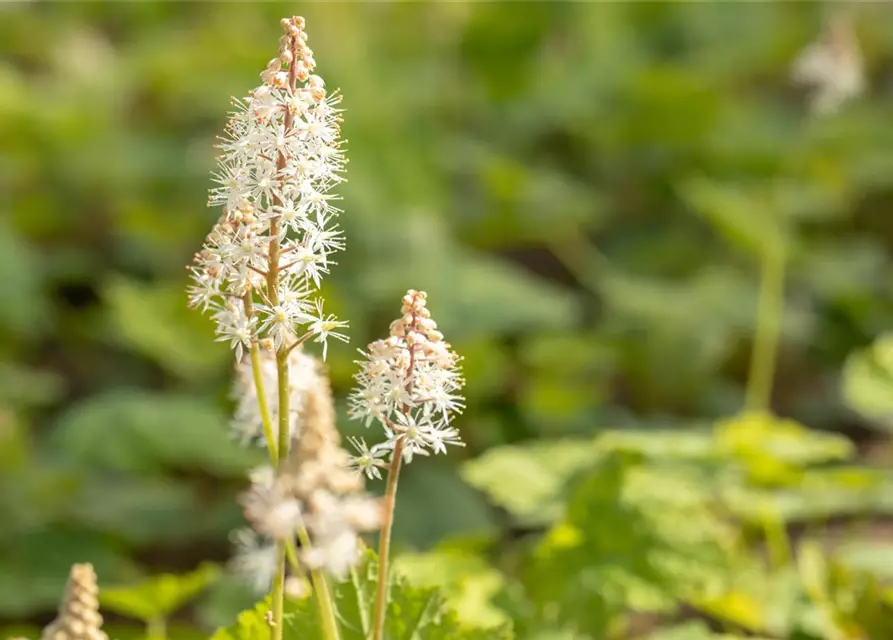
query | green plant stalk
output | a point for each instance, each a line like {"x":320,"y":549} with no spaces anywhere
{"x":778,"y":546}
{"x":266,"y":418}
{"x":156,"y":629}
{"x":384,"y":542}
{"x":324,"y":602}
{"x":769,"y":315}
{"x":326,"y":606}
{"x":278,"y":595}
{"x":762,"y":373}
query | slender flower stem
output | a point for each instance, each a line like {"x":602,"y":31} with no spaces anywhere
{"x":265,"y":417}
{"x":284,"y":407}
{"x":324,"y":602}
{"x":278,"y":594}
{"x":769,"y":315}
{"x":156,"y":629}
{"x":384,"y":541}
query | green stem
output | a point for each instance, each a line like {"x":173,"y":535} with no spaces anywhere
{"x":284,"y":407}
{"x":324,"y":602}
{"x":278,"y":594}
{"x":362,"y":604}
{"x":265,"y":416}
{"x":384,"y":542}
{"x":769,"y":315}
{"x":778,"y":545}
{"x":291,"y":553}
{"x":156,"y":629}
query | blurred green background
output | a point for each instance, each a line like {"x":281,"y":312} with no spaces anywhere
{"x":586,"y":190}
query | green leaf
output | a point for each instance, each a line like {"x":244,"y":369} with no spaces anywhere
{"x":742,"y":216}
{"x":868,"y":382}
{"x":465,"y":579}
{"x":753,"y":598}
{"x":527,"y":480}
{"x":775,"y":450}
{"x":118,"y":504}
{"x":22,"y":386}
{"x":413,"y":613}
{"x":155,"y":322}
{"x":250,"y":625}
{"x":158,"y":596}
{"x":23,"y":305}
{"x":663,"y":444}
{"x":870,"y":557}
{"x":145,"y":432}
{"x":695,"y":631}
{"x":633,"y":537}
{"x":33,"y":570}
{"x":418,"y":521}
{"x":178,"y":630}
{"x":818,"y":495}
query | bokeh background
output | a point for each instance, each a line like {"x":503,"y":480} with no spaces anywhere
{"x":592,"y":194}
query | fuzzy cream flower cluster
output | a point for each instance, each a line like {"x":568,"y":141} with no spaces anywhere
{"x":79,"y":617}
{"x":832,"y":66}
{"x":261,"y":265}
{"x":409,"y":384}
{"x":315,"y":492}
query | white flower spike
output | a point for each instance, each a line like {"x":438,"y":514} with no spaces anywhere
{"x":262,"y":263}
{"x":409,"y":384}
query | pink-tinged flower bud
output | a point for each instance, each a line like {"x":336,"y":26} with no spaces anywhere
{"x":280,"y":80}
{"x":301,"y":72}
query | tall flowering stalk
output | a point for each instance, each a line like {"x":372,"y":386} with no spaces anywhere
{"x":409,"y":385}
{"x":261,"y":265}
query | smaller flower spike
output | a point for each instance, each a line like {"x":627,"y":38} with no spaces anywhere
{"x":409,"y":383}
{"x":79,"y":617}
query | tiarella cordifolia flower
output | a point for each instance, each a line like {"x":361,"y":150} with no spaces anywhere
{"x":832,"y":66}
{"x":254,"y":559}
{"x":409,"y":383}
{"x":79,"y":617}
{"x":263,"y":261}
{"x":316,"y":492}
{"x":247,"y":425}
{"x":368,"y":460}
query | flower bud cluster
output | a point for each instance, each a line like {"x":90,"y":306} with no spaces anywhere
{"x":409,"y":383}
{"x":262,"y":263}
{"x":79,"y":617}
